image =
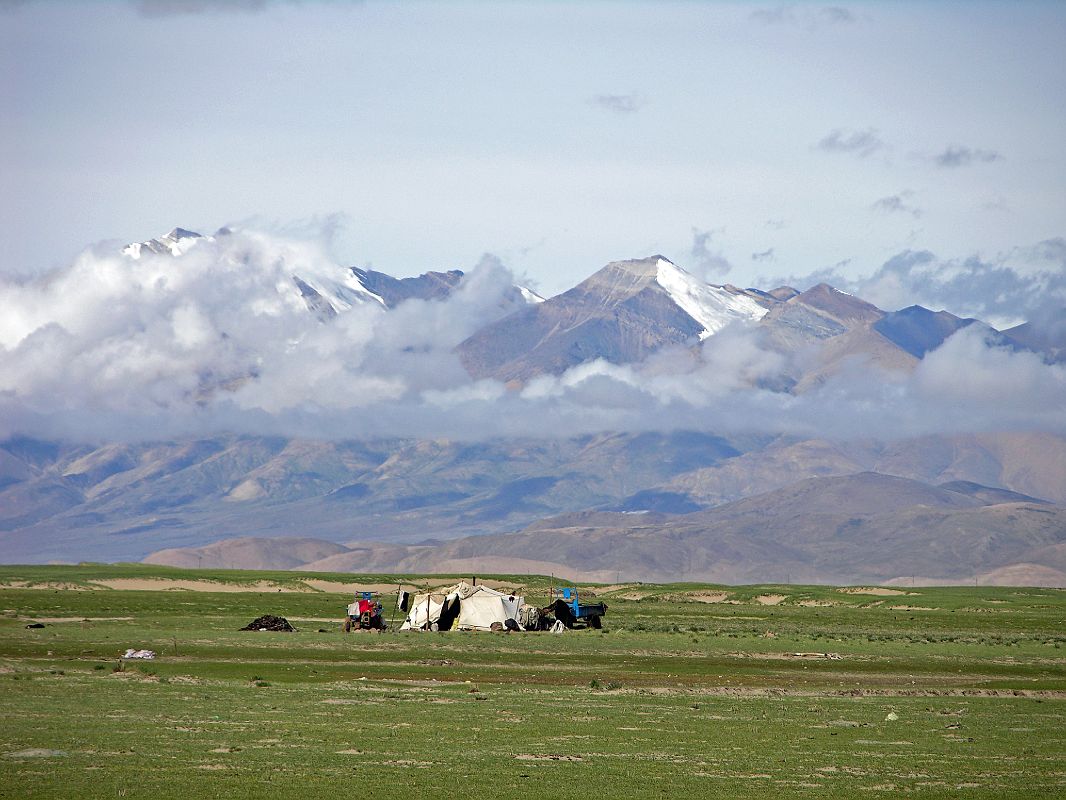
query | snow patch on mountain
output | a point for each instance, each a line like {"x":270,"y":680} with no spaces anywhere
{"x":339,"y":287}
{"x":531,"y":297}
{"x":713,"y":307}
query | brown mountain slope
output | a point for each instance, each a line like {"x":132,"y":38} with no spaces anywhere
{"x":1030,"y":463}
{"x":818,"y":531}
{"x":121,"y":502}
{"x":1026,"y":463}
{"x":856,"y":528}
{"x":780,"y":463}
{"x":249,"y":552}
{"x":619,"y":314}
{"x":858,"y":348}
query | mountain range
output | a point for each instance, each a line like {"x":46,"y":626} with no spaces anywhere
{"x":629,"y":310}
{"x":744,"y":505}
{"x":865,"y":527}
{"x":330,"y":291}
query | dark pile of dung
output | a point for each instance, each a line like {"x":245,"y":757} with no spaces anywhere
{"x":268,"y":622}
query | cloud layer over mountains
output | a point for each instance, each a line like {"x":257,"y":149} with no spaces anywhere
{"x":221,"y":338}
{"x":1025,"y":283}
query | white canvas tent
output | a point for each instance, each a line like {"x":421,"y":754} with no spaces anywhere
{"x":478,"y":608}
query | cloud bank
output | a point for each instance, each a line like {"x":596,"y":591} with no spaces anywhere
{"x":221,"y":340}
{"x":1022,"y":284}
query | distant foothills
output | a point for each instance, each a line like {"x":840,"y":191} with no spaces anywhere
{"x":730,"y":506}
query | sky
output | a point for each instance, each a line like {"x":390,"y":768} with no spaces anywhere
{"x":750,"y":143}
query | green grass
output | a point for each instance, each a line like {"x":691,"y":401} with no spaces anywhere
{"x":964,"y":698}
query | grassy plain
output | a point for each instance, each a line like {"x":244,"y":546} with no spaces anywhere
{"x":697,"y":691}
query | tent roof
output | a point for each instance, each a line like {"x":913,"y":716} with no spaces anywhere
{"x":464,"y":590}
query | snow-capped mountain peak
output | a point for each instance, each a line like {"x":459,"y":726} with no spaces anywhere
{"x":712,"y":307}
{"x":324,"y":287}
{"x":175,"y":243}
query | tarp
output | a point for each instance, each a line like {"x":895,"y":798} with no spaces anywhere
{"x":424,"y":608}
{"x":479,"y":608}
{"x":360,"y":607}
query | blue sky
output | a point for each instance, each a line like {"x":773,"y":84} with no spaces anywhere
{"x":744,"y":141}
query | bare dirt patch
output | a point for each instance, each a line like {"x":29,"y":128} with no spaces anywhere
{"x":339,"y":587}
{"x":173,"y":584}
{"x":77,"y":619}
{"x":770,"y":599}
{"x":911,"y":608}
{"x":44,"y":585}
{"x":546,"y":757}
{"x":816,"y":603}
{"x":878,"y":591}
{"x":36,"y":752}
{"x":614,"y":587}
{"x":709,"y":597}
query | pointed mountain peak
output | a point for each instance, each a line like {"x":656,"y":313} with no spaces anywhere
{"x":822,"y":290}
{"x":837,"y":304}
{"x":181,"y":233}
{"x":783,"y":293}
{"x":639,"y":267}
{"x":637,"y":272}
{"x":618,"y":281}
{"x":647,"y":266}
{"x":918,"y":330}
{"x":711,"y":307}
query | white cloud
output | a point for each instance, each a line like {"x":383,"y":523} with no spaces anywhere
{"x":220,"y":340}
{"x":1004,"y":290}
{"x":996,"y":386}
